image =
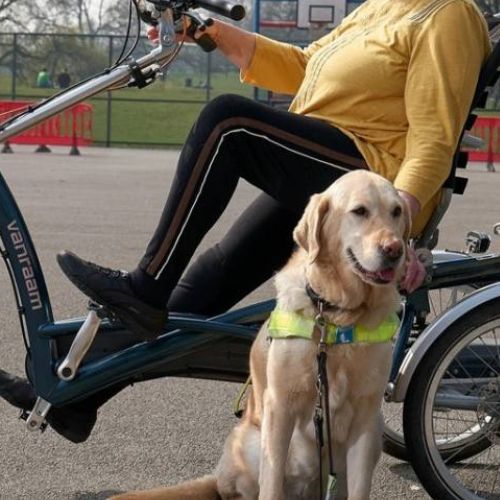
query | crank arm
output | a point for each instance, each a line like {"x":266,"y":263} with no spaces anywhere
{"x":83,"y":340}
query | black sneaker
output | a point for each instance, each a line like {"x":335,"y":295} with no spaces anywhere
{"x":74,"y":422}
{"x":113,"y":290}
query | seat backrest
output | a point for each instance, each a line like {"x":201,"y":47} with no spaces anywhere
{"x":487,"y":79}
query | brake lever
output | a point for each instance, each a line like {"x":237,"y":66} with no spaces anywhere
{"x":166,"y":36}
{"x":146,"y":14}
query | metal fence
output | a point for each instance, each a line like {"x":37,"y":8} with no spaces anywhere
{"x":158,"y":115}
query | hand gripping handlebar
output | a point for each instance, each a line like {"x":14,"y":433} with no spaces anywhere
{"x":224,"y":8}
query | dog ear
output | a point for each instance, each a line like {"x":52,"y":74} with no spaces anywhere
{"x":307,"y":233}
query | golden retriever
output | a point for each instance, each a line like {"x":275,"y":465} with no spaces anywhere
{"x":351,"y":251}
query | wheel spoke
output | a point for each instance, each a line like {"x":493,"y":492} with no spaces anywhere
{"x":459,"y":410}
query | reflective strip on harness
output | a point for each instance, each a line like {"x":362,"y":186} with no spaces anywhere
{"x":285,"y":324}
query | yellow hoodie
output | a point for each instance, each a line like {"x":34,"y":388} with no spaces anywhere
{"x":397,"y":76}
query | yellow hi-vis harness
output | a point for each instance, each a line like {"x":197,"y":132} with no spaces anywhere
{"x":285,"y":324}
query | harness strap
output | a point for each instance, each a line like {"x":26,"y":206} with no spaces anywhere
{"x":286,"y":324}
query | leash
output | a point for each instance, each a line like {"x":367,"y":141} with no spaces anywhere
{"x":322,"y":408}
{"x":237,"y":406}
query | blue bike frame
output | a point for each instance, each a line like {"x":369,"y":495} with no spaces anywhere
{"x":215,"y":348}
{"x":191,"y":346}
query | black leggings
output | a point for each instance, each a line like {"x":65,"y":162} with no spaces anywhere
{"x":288,"y":156}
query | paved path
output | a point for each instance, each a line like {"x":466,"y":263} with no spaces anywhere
{"x":104,"y":205}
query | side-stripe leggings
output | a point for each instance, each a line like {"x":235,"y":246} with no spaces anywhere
{"x":287,"y":156}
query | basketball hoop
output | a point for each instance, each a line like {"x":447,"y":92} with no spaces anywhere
{"x":317,"y":15}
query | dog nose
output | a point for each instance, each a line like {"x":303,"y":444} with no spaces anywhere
{"x":392,"y":249}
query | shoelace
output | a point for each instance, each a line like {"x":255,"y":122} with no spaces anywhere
{"x":110,"y":273}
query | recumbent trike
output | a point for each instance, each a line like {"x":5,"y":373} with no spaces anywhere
{"x":446,"y":365}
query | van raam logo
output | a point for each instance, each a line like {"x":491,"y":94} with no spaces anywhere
{"x":26,"y":266}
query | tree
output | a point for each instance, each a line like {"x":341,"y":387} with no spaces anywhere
{"x":489,"y":6}
{"x":84,"y":16}
{"x":6,"y":11}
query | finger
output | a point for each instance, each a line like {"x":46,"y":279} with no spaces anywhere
{"x":415,"y":276}
{"x":152,"y":33}
{"x":210,"y":30}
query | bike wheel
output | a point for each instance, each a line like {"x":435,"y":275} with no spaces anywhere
{"x":393,"y":439}
{"x":453,"y":406}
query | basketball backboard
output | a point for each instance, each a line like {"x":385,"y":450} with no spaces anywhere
{"x":327,"y":13}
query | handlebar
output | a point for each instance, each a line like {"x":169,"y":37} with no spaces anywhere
{"x":178,"y":8}
{"x":225,"y":8}
{"x":233,"y":11}
{"x":130,"y":72}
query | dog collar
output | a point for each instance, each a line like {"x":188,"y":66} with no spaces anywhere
{"x":285,"y":324}
{"x":320,"y":303}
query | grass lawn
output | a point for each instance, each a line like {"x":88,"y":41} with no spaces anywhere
{"x":160,"y":114}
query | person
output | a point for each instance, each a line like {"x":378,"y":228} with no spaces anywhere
{"x":63,"y":79}
{"x":43,"y":79}
{"x":389,"y":89}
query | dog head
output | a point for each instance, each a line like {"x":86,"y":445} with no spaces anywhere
{"x":359,"y":223}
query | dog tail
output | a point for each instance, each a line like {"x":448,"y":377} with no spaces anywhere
{"x":204,"y":488}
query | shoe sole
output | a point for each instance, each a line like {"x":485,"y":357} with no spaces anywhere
{"x":122,"y":315}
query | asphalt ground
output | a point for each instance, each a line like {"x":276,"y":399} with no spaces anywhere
{"x":104,"y":205}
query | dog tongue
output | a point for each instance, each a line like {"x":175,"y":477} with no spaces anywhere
{"x":386,"y":274}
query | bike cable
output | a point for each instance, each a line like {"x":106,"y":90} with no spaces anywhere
{"x":121,"y":58}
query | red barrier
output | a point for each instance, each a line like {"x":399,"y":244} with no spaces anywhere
{"x":488,"y":129}
{"x":72,"y":127}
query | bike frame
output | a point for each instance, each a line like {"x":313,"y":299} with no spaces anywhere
{"x":215,"y":348}
{"x":191,"y":346}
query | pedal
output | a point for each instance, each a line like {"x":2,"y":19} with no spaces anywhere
{"x":477,"y":242}
{"x":36,"y":419}
{"x":24,"y":415}
{"x":68,"y":369}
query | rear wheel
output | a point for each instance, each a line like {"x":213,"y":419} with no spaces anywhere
{"x":452,"y":410}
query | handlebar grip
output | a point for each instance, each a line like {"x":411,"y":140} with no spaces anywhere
{"x":234,"y":11}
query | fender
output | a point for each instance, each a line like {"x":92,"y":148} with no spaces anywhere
{"x":434,"y":331}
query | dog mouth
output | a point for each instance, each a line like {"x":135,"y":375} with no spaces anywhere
{"x":380,"y":277}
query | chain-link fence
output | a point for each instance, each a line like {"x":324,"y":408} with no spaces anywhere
{"x":158,"y":115}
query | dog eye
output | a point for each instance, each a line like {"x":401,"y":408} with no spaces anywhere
{"x":361,"y":211}
{"x":397,"y":211}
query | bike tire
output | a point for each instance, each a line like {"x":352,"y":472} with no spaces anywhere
{"x":446,"y":478}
